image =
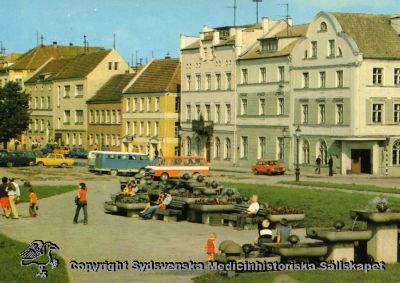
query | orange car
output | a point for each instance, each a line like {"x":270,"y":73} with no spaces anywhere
{"x":269,"y":167}
{"x":175,"y":167}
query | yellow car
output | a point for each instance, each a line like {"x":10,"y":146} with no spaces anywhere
{"x":55,"y":160}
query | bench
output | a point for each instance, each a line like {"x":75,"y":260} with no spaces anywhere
{"x":174,"y":212}
{"x":251,"y":221}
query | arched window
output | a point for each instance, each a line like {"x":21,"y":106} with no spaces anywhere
{"x":228,"y":148}
{"x":323,"y":152}
{"x":396,"y":153}
{"x":188,"y":146}
{"x":306,"y":152}
{"x":217,"y":154}
{"x":198,"y":146}
{"x":323,"y":27}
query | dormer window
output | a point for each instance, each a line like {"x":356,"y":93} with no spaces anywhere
{"x":323,"y":27}
{"x":269,"y":45}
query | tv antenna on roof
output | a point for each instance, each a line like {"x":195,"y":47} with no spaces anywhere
{"x":234,"y":7}
{"x":287,"y":16}
{"x":257,"y":2}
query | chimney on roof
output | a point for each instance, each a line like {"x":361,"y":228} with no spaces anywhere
{"x":167,"y":56}
{"x":215,"y":37}
{"x":395,"y":22}
{"x":55,"y":44}
{"x":265,"y":24}
{"x":71,"y":44}
{"x":290,"y":21}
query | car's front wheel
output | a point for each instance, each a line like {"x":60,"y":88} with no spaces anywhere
{"x":40,"y":163}
{"x":113,"y":172}
{"x":164,"y":177}
{"x":64,"y":165}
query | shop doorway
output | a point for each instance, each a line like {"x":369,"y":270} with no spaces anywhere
{"x":361,"y":161}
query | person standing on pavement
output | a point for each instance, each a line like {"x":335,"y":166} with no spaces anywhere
{"x":13,"y":197}
{"x":330,"y":164}
{"x":81,"y":203}
{"x":4,"y":202}
{"x":318,"y":165}
{"x":32,"y":203}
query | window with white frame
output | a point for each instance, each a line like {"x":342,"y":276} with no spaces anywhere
{"x":198,"y":112}
{"x":73,"y":139}
{"x":281,"y":73}
{"x":217,"y":153}
{"x":332,"y":48}
{"x":58,"y":96}
{"x":128,"y":105}
{"x":245,"y":77}
{"x":217,"y":81}
{"x":304,"y":114}
{"x":217,"y":113}
{"x":228,"y":148}
{"x":228,"y":113}
{"x":67,"y":116}
{"x":148,"y":104}
{"x":67,"y":139}
{"x":141,"y":106}
{"x":102,"y":116}
{"x":262,"y":147}
{"x":261,"y":106}
{"x":244,"y":146}
{"x":127,"y":128}
{"x":42,"y":125}
{"x":198,"y":82}
{"x":134,"y":125}
{"x":113,"y":116}
{"x":141,"y":128}
{"x":118,"y":116}
{"x":339,"y":78}
{"x":79,"y":117}
{"x":113,"y":140}
{"x":79,"y":90}
{"x":228,"y":81}
{"x":91,"y":116}
{"x":397,"y":76}
{"x":188,"y":146}
{"x":321,"y":113}
{"x":339,"y":114}
{"x":281,"y":148}
{"x":67,"y":90}
{"x":377,"y":113}
{"x":157,"y":104}
{"x":97,"y":116}
{"x":314,"y":49}
{"x":281,"y":106}
{"x":134,"y":104}
{"x":188,"y":82}
{"x":396,"y":153}
{"x":156,"y":125}
{"x":243,"y":106}
{"x":322,"y":79}
{"x":208,"y":81}
{"x":80,"y":139}
{"x":323,"y":27}
{"x":306,"y":80}
{"x":305,"y":152}
{"x":148,"y":127}
{"x":377,"y":76}
{"x":263,"y":75}
{"x":90,"y":139}
{"x":188,"y":113}
{"x":208,"y":112}
{"x":396,"y":113}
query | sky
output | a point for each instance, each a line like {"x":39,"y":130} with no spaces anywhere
{"x":149,"y":27}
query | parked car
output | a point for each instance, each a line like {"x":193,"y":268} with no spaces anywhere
{"x":61,"y":150}
{"x":53,"y":159}
{"x":78,"y":152}
{"x":174,"y":167}
{"x":17,"y":158}
{"x":270,"y":167}
{"x":48,"y":148}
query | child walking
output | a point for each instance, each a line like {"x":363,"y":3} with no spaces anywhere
{"x":210,"y":246}
{"x":32,"y":203}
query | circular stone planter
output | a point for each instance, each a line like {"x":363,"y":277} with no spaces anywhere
{"x":330,"y":235}
{"x":131,"y":206}
{"x":302,"y":250}
{"x":212,"y":207}
{"x":289,"y":217}
{"x":110,"y":207}
{"x":390,"y":216}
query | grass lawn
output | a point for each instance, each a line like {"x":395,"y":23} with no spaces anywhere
{"x":391,"y":274}
{"x":12,"y":271}
{"x":45,"y":191}
{"x":355,"y":187}
{"x":322,"y":208}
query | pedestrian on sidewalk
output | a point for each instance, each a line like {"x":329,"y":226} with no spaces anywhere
{"x":210,"y":247}
{"x":318,"y":165}
{"x":32,"y":203}
{"x":330,"y":164}
{"x":81,"y":202}
{"x":13,"y":197}
{"x":4,"y":201}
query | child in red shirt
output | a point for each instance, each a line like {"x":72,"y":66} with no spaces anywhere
{"x":210,"y":247}
{"x":32,"y":203}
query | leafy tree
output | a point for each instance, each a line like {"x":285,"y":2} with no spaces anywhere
{"x":14,"y":112}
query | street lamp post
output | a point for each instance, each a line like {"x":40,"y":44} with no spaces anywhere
{"x":297,"y":134}
{"x":285,"y":133}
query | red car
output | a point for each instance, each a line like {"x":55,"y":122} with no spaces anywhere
{"x":270,"y":167}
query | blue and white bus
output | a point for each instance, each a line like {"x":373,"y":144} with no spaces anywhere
{"x":114,"y":162}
